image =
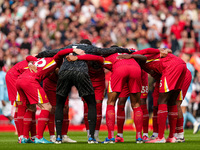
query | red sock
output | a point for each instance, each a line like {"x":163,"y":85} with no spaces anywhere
{"x":110,"y":120}
{"x":51,"y":123}
{"x":162,"y":117}
{"x":65,"y":124}
{"x":16,"y":122}
{"x":42,"y":121}
{"x":33,"y":125}
{"x":172,"y":117}
{"x":27,"y":123}
{"x":99,"y":115}
{"x":20,"y":118}
{"x":138,"y":119}
{"x":179,"y":125}
{"x":120,"y":118}
{"x":155,"y":123}
{"x":145,"y":118}
{"x":86,"y":116}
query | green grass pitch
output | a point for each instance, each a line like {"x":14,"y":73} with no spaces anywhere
{"x":8,"y":141}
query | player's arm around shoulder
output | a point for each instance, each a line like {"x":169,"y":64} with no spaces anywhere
{"x":138,"y":57}
{"x":164,"y":52}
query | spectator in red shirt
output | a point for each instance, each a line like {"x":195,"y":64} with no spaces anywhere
{"x":177,"y":28}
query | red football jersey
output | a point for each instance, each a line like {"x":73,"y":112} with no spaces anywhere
{"x":96,"y":71}
{"x":110,"y":62}
{"x":112,"y":59}
{"x":157,"y":64}
{"x":20,"y":67}
{"x":45,"y":66}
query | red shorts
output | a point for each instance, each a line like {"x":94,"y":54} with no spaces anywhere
{"x":144,"y":91}
{"x":186,"y":84}
{"x":99,"y":89}
{"x":49,"y":87}
{"x":11,"y":87}
{"x":30,"y":92}
{"x":172,"y":78}
{"x":51,"y":95}
{"x":125,"y":74}
{"x":125,"y":92}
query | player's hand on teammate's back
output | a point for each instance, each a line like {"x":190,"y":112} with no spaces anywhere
{"x":32,"y":68}
{"x":79,"y":51}
{"x":124,"y":56}
{"x":164,"y":52}
{"x":71,"y":58}
{"x":56,"y":70}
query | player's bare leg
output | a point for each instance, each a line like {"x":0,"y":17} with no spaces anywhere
{"x":138,"y":115}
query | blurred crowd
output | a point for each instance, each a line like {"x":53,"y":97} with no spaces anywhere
{"x":30,"y":26}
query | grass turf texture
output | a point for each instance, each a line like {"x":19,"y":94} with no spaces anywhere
{"x":9,"y":141}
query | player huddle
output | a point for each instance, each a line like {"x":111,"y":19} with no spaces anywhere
{"x":85,"y":70}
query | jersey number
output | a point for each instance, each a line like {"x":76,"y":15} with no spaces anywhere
{"x":40,"y":63}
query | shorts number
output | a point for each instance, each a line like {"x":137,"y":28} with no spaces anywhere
{"x":160,"y":83}
{"x":145,"y":89}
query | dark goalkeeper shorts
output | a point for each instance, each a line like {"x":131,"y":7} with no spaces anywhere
{"x":81,"y":80}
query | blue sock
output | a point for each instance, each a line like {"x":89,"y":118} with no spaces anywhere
{"x":12,"y":122}
{"x":191,"y":117}
{"x":185,"y":119}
